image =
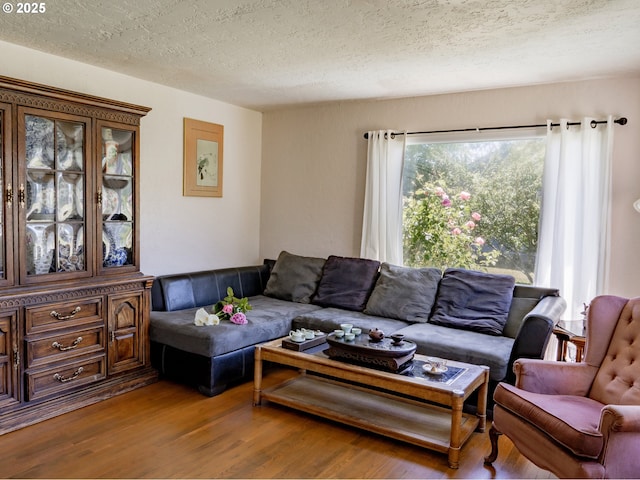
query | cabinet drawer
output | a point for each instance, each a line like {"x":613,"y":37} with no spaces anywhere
{"x":54,"y":316}
{"x":61,"y":378}
{"x":63,"y":346}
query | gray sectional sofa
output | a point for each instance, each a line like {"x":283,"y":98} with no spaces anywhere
{"x":461,"y":315}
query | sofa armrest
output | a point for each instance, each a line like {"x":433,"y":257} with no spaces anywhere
{"x":535,"y":331}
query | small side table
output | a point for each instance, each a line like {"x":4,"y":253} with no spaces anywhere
{"x":570,"y":331}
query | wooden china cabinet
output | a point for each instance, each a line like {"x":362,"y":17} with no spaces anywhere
{"x":74,"y":307}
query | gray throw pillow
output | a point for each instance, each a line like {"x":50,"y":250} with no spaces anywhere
{"x":346,"y":282}
{"x":404,"y":293}
{"x":472,"y":300}
{"x":294,"y":278}
{"x":519,"y":309}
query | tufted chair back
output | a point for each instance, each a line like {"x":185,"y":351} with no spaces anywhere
{"x":617,"y":381}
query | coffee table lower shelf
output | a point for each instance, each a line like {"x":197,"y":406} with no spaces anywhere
{"x":415,"y":422}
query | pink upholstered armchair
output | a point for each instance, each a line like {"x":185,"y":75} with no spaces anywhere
{"x":580,"y":420}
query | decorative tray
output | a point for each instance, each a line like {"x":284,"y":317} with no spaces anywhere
{"x":305,"y":345}
{"x":382,"y":355}
{"x":364,"y":345}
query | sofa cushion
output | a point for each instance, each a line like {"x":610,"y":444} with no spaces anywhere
{"x":404,"y":293}
{"x":517,"y":311}
{"x":473,"y":300}
{"x":462,"y":345}
{"x":294,"y":278}
{"x":571,"y":420}
{"x":270,"y":318}
{"x":346,"y":282}
{"x":329,"y":319}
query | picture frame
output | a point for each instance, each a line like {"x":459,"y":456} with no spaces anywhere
{"x":203,"y":158}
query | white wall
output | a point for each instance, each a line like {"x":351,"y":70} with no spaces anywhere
{"x":178,"y":234}
{"x":309,"y":197}
{"x":314,"y":160}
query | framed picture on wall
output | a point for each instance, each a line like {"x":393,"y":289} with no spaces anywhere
{"x":202,"y":164}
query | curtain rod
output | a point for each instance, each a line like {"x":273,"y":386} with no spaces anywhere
{"x":594,"y":123}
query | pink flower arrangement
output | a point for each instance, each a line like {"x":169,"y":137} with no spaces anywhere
{"x":479,"y":241}
{"x":232,"y":308}
{"x":446,"y":201}
{"x":456,"y":231}
{"x":239,"y":318}
{"x":476,"y":216}
{"x":465,"y":196}
{"x":470,"y":225}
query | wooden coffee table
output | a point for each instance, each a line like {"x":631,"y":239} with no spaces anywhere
{"x":417,"y":408}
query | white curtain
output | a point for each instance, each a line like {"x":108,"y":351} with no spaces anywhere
{"x":574,"y":236}
{"x":382,"y":220}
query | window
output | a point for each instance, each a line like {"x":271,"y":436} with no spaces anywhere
{"x":473,"y":204}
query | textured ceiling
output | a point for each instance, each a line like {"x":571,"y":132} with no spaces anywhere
{"x":265,"y":54}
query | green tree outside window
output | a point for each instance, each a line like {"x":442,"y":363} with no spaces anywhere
{"x":473,"y":205}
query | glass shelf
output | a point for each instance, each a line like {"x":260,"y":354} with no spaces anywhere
{"x":69,"y":146}
{"x":117,"y":244}
{"x":40,"y":248}
{"x":70,"y":196}
{"x":39,"y":140}
{"x":116,"y":152}
{"x":54,"y":248}
{"x":117,"y":200}
{"x":41,"y":203}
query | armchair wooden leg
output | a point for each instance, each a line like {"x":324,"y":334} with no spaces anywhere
{"x":494,"y":434}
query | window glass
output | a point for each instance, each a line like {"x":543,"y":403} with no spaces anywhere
{"x":473,"y":204}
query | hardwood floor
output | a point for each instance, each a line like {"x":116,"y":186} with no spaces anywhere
{"x":167,"y":430}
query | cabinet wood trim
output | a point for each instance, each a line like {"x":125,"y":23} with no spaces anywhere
{"x":28,"y":93}
{"x":6,"y":154}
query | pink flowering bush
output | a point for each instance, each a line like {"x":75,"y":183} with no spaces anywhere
{"x":439,"y":231}
{"x":232,"y":308}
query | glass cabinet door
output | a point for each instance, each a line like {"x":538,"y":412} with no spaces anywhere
{"x":52,"y":197}
{"x":118,"y":153}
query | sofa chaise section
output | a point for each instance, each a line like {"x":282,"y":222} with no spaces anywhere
{"x":212,"y":357}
